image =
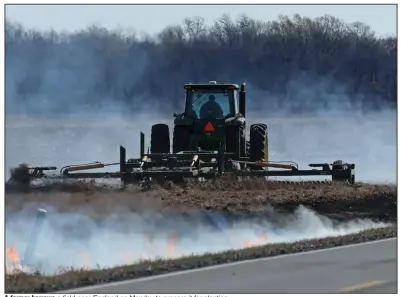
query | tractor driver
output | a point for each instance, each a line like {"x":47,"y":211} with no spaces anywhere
{"x":211,"y":109}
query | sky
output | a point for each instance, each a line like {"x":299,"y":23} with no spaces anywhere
{"x":152,"y":18}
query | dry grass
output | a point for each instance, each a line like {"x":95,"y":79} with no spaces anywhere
{"x":24,"y":283}
{"x":225,"y":195}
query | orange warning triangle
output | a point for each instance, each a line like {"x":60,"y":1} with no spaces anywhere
{"x":209,"y":127}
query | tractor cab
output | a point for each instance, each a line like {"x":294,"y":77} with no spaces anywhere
{"x":214,"y":113}
{"x":211,"y":101}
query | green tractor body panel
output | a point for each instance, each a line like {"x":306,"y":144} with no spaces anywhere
{"x":210,"y":140}
{"x":226,"y":121}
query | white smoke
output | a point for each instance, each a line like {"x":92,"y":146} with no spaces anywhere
{"x":71,"y":240}
{"x":368,"y":140}
{"x":38,"y":132}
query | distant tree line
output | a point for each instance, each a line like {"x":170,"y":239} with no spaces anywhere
{"x":96,"y":65}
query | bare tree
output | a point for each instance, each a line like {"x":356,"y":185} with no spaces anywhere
{"x":119,"y":65}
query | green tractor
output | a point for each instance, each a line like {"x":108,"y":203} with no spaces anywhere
{"x":214,"y":115}
{"x":208,"y":140}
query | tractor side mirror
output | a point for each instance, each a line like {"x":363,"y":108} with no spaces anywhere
{"x":242,"y":100}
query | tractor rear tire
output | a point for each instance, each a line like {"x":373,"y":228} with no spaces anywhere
{"x":181,"y":137}
{"x":232,"y":140}
{"x":258,"y":142}
{"x":244,"y":150}
{"x":160,"y":139}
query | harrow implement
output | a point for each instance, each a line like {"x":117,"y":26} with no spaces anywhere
{"x":208,"y":141}
{"x":199,"y":165}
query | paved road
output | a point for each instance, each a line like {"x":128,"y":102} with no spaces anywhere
{"x":363,"y":268}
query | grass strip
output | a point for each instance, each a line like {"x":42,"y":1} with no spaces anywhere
{"x":25,"y":283}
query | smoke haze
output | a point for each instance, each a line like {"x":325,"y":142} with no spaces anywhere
{"x":368,"y":140}
{"x":73,"y":240}
{"x":75,"y":98}
{"x":286,"y":63}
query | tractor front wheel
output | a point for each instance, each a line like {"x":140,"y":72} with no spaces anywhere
{"x":181,"y":137}
{"x":235,"y":136}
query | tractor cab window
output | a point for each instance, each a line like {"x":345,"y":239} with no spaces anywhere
{"x":210,"y":103}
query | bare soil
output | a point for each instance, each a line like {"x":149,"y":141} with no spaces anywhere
{"x":227,"y":195}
